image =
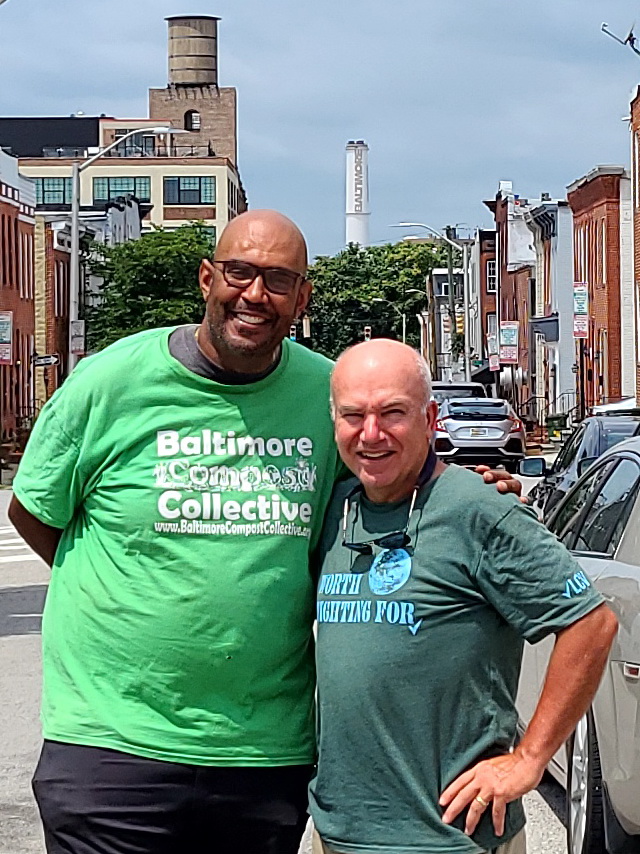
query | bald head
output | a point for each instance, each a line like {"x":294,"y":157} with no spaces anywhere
{"x":381,"y":356}
{"x":383,"y":415}
{"x":271,"y":232}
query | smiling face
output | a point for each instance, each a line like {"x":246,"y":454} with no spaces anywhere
{"x":243,"y":328}
{"x":384,"y":420}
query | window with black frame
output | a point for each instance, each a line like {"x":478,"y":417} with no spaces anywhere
{"x":53,"y":191}
{"x":106,"y":189}
{"x":190,"y":190}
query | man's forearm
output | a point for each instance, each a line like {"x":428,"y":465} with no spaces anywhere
{"x":575,"y":669}
{"x":43,"y":539}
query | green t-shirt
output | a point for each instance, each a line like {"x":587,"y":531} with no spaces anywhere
{"x":418,"y":660}
{"x":178,"y":620}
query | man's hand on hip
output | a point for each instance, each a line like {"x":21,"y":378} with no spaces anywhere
{"x":491,"y":784}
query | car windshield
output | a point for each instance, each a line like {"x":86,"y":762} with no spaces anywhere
{"x":442,"y":394}
{"x":618,"y":431}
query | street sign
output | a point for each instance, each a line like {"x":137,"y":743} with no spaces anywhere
{"x":509,"y":336}
{"x":6,"y":337}
{"x":580,"y":310}
{"x":46,"y":361}
{"x":580,"y":326}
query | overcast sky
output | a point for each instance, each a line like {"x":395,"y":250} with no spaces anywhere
{"x":451,"y":95}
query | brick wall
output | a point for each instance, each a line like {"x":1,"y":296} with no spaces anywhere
{"x":218,"y":116}
{"x":16,"y":295}
{"x":487,"y":298}
{"x":596,"y":212}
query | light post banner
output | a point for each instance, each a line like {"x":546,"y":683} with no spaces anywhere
{"x":580,"y":310}
{"x":509,"y":335}
{"x":6,"y":338}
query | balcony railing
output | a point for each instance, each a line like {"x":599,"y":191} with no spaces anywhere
{"x":67,"y":152}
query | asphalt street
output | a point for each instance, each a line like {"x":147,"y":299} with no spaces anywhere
{"x":23,"y":584}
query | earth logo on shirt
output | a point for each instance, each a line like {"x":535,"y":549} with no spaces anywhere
{"x":389,"y":571}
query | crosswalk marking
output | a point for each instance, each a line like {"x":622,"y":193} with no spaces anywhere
{"x":10,"y":541}
{"x":17,"y":558}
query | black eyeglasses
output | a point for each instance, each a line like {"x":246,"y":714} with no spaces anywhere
{"x":395,"y":540}
{"x":241,"y":274}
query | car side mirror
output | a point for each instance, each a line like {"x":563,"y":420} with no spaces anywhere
{"x":584,"y":464}
{"x":532,"y":467}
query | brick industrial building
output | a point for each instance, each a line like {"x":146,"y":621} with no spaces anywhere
{"x":182,"y":177}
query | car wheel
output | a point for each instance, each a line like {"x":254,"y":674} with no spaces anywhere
{"x":585,"y":825}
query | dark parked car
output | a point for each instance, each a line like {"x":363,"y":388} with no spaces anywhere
{"x":591,"y":438}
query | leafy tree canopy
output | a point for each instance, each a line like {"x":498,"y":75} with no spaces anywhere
{"x":146,"y":283}
{"x":370,"y":286}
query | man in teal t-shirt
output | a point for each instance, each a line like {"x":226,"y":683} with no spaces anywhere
{"x":177,"y":484}
{"x":428,"y":586}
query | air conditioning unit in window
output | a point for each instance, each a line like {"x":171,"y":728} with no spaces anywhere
{"x":61,"y":240}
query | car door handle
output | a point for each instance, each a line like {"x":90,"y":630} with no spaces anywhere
{"x":631,"y":671}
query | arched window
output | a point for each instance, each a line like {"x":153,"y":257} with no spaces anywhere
{"x":192,"y":120}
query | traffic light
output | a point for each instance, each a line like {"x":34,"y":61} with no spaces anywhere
{"x":367,"y":333}
{"x":460,"y":323}
{"x":446,"y":324}
{"x":292,"y":332}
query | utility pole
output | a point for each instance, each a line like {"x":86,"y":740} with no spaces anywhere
{"x":467,"y":313}
{"x":451,"y":236}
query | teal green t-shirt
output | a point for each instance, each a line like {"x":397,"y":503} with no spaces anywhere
{"x":418,"y":658}
{"x":178,"y":620}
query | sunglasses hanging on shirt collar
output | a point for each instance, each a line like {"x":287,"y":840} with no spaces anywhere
{"x":396,"y":539}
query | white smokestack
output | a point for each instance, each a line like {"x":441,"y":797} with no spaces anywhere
{"x":357,"y":212}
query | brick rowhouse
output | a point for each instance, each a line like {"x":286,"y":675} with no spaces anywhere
{"x":17,"y":209}
{"x":595,"y":202}
{"x":635,"y":203}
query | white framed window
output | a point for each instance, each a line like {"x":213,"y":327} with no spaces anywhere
{"x":492,"y":279}
{"x":492,"y":324}
{"x":604,"y":250}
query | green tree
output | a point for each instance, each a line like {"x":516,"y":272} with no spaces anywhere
{"x":370,"y":286}
{"x":146,"y":283}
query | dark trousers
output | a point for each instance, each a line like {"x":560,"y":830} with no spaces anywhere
{"x":97,"y":801}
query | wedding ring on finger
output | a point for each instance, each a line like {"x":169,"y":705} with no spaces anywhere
{"x":482,"y":801}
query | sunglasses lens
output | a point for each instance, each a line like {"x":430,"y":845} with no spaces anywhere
{"x":361,"y":548}
{"x":394,"y":541}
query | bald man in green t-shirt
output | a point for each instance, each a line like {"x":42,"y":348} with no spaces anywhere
{"x":176,"y":485}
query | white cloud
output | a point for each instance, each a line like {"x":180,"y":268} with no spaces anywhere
{"x":451,"y":96}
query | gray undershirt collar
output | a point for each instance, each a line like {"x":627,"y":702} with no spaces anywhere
{"x":184,"y":347}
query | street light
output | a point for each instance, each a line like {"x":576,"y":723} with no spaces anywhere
{"x":464,"y":245}
{"x":74,"y":271}
{"x":401,"y":313}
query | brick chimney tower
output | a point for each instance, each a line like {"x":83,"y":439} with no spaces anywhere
{"x":192,"y":99}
